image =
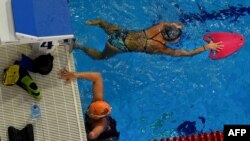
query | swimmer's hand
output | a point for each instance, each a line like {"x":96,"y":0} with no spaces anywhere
{"x":66,"y":75}
{"x":178,"y":25}
{"x":214,"y":46}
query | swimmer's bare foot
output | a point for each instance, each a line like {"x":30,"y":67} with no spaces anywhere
{"x":94,"y":22}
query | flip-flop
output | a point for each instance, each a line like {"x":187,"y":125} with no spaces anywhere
{"x":26,"y":134}
{"x":11,"y":75}
{"x":26,"y":82}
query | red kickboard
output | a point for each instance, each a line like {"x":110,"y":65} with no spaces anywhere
{"x":231,"y":41}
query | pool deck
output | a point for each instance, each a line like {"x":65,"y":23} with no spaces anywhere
{"x":62,"y":118}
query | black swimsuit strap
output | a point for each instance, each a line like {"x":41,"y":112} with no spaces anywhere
{"x":152,"y":38}
{"x":145,"y":44}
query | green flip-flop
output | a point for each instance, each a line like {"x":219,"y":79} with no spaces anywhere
{"x":26,"y":82}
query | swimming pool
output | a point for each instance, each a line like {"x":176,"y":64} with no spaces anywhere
{"x":155,"y":96}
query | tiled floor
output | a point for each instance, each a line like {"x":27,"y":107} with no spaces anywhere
{"x":62,"y":118}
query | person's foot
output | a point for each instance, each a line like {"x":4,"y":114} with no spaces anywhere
{"x":93,"y":22}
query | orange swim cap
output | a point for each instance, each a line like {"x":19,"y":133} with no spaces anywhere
{"x":99,"y":109}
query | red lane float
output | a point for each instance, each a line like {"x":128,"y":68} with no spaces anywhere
{"x":213,"y":136}
{"x":231,"y":41}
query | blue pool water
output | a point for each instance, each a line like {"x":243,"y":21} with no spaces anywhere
{"x":156,"y":96}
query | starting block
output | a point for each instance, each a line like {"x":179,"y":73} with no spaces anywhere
{"x":41,"y":22}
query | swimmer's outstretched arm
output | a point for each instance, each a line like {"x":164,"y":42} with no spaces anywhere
{"x":166,"y":50}
{"x":95,"y":77}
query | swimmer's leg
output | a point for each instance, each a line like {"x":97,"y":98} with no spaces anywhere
{"x":91,"y":52}
{"x":108,"y":52}
{"x":107,"y":27}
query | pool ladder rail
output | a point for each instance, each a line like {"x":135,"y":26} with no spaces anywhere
{"x":213,"y":136}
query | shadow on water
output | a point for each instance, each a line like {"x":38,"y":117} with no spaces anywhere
{"x":232,"y":13}
{"x":190,"y":127}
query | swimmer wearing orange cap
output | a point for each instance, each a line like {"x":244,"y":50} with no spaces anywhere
{"x":98,"y":122}
{"x":98,"y":110}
